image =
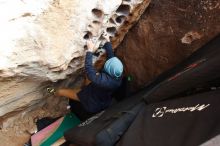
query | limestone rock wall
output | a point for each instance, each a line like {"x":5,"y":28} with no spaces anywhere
{"x":44,"y":40}
{"x":167,"y":32}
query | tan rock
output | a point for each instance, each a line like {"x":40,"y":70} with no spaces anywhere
{"x":45,"y":41}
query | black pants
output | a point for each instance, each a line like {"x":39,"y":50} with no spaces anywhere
{"x":77,"y":108}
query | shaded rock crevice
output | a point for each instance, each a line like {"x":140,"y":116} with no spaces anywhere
{"x":167,"y":33}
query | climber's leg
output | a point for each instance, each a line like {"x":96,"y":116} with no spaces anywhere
{"x":69,"y":93}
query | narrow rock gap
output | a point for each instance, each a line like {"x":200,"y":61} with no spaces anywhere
{"x":98,"y":13}
{"x":111,"y":21}
{"x":123,"y":10}
{"x":120,"y":19}
{"x":111,"y":30}
{"x":88,"y":35}
{"x":96,"y":22}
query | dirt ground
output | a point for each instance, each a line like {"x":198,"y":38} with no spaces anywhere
{"x":10,"y":138}
{"x":16,"y":130}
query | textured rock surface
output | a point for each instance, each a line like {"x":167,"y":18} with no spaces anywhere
{"x":44,"y":41}
{"x":18,"y":93}
{"x":168,"y":32}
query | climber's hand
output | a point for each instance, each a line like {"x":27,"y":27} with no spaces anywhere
{"x":106,"y":36}
{"x":90,"y":46}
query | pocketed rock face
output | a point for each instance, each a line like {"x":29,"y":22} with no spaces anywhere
{"x":44,"y":41}
{"x":166,"y":33}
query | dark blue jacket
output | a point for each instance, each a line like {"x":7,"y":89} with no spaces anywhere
{"x":97,"y":95}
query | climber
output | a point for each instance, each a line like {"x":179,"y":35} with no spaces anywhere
{"x":95,"y":96}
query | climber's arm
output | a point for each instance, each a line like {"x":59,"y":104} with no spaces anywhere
{"x":108,"y":46}
{"x":92,"y":74}
{"x":109,"y":51}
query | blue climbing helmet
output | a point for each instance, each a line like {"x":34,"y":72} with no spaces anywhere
{"x":113,"y":67}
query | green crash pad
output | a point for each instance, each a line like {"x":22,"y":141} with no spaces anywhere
{"x":69,"y":121}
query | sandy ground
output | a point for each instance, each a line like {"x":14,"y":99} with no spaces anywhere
{"x":16,"y":130}
{"x":9,"y":138}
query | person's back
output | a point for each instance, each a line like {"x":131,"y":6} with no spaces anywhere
{"x":98,"y":94}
